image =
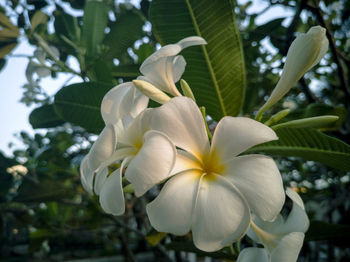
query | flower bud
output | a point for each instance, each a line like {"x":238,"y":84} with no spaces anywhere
{"x":304,"y":53}
{"x":151,"y":91}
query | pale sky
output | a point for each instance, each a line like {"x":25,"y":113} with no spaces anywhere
{"x":14,"y":115}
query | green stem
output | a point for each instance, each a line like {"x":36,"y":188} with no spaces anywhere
{"x":47,"y":49}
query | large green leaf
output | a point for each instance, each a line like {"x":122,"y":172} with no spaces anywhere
{"x":94,"y":24}
{"x":45,"y":117}
{"x":80,"y":104}
{"x":324,"y":231}
{"x":215,"y":71}
{"x":124,"y":32}
{"x":309,"y":144}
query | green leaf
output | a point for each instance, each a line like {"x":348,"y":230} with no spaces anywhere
{"x":6,"y":48}
{"x":126,"y":71}
{"x":101,"y":72}
{"x":44,"y":117}
{"x":144,"y":51}
{"x":215,"y":71}
{"x":45,"y":190}
{"x":66,"y":25}
{"x":38,"y":18}
{"x":124,"y":32}
{"x":324,"y":231}
{"x":94,"y":24}
{"x":309,"y":144}
{"x":264,"y":30}
{"x":80,"y":104}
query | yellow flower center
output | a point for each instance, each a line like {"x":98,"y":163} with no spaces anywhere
{"x":211,"y":165}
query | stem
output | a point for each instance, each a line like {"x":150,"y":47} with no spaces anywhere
{"x":47,"y":49}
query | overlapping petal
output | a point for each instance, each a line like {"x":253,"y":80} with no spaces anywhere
{"x":86,"y":175}
{"x":181,"y":120}
{"x":297,"y":220}
{"x":133,"y":135}
{"x":103,"y":147}
{"x":221,"y":214}
{"x":153,"y":163}
{"x":172,"y":210}
{"x":168,"y":66}
{"x":257,"y":177}
{"x":282,"y":239}
{"x":122,"y":101}
{"x":111,"y":195}
{"x":234,"y":135}
{"x":288,"y":248}
{"x":253,"y":254}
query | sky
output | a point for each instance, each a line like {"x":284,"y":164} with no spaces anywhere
{"x":14,"y":115}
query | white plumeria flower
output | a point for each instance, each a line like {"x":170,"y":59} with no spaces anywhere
{"x":213,"y":189}
{"x":305,"y":52}
{"x":122,"y":104}
{"x":168,"y":65}
{"x":148,"y":155}
{"x":282,"y":239}
{"x":119,"y":108}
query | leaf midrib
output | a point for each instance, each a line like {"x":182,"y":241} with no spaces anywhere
{"x":77,"y":104}
{"x":206,"y":56}
{"x":289,"y":148}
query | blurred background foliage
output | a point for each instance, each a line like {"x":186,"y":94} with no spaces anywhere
{"x":45,"y":215}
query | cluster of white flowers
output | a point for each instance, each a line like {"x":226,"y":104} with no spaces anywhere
{"x":210,"y":188}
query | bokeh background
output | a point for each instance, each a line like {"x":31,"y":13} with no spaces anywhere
{"x":45,"y":215}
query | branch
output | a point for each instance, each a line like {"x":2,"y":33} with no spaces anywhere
{"x":317,"y":12}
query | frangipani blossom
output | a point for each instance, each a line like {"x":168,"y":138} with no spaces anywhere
{"x":281,"y":238}
{"x":138,"y":148}
{"x":164,"y":67}
{"x":122,"y":104}
{"x":213,"y":190}
{"x":305,"y":52}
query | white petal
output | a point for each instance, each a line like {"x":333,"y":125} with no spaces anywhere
{"x":322,"y":52}
{"x":257,"y":177}
{"x":100,"y":178}
{"x":273,"y":228}
{"x":140,"y":103}
{"x":179,"y":65}
{"x":185,"y":161}
{"x":297,"y":220}
{"x":253,"y":254}
{"x":221,"y":214}
{"x":103,"y":147}
{"x":172,"y":210}
{"x":160,"y":74}
{"x":164,"y":52}
{"x":111,"y":195}
{"x":161,"y":68}
{"x":118,"y":155}
{"x":191,"y":41}
{"x":152,"y":164}
{"x":86,"y":175}
{"x":288,"y":248}
{"x":234,"y":135}
{"x":181,"y":120}
{"x":116,"y":102}
{"x":133,"y":135}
